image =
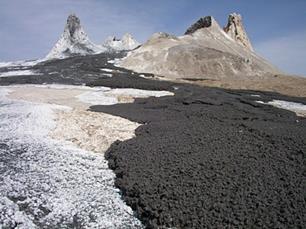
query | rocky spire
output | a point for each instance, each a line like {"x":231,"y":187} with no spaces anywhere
{"x":236,"y":31}
{"x":73,"y":41}
{"x":73,"y":24}
{"x":203,"y":22}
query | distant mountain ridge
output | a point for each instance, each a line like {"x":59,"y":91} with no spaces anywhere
{"x":205,"y":50}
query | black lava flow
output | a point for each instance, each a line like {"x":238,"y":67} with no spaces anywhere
{"x":209,"y":158}
{"x":203,"y":158}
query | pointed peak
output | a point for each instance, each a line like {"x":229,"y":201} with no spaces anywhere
{"x":73,"y":41}
{"x":235,"y":15}
{"x":73,"y":24}
{"x":204,"y":22}
{"x":72,"y":17}
{"x":236,"y":31}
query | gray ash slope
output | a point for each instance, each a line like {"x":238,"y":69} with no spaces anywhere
{"x":205,"y":157}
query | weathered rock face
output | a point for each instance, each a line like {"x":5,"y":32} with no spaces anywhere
{"x":235,"y":30}
{"x":206,"y":51}
{"x":73,"y":24}
{"x":73,"y":41}
{"x":203,"y":22}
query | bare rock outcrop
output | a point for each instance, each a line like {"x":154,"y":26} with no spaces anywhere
{"x":203,"y":22}
{"x":235,"y":30}
{"x":205,"y":51}
{"x":73,"y":41}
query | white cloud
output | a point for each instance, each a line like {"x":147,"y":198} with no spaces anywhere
{"x":288,"y":53}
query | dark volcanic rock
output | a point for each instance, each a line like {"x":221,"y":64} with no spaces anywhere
{"x":203,"y":22}
{"x":210,"y":158}
{"x":204,"y":158}
{"x":81,"y":70}
{"x":73,"y":24}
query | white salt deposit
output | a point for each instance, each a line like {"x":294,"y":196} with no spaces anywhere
{"x":93,"y":95}
{"x":112,"y":96}
{"x":50,"y":183}
{"x":57,"y":86}
{"x":60,"y":184}
{"x":115,"y":62}
{"x":137,"y":93}
{"x":106,"y":70}
{"x":97,"y":98}
{"x":108,"y":75}
{"x":5,"y":64}
{"x":298,"y":108}
{"x":144,"y":76}
{"x":20,"y":63}
{"x":18,"y":73}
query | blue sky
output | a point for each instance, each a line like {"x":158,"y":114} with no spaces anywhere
{"x":277,"y":29}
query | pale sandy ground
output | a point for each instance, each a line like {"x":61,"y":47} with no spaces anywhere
{"x":97,"y":131}
{"x":89,"y":130}
{"x":92,"y":131}
{"x":64,"y":97}
{"x":283,"y":84}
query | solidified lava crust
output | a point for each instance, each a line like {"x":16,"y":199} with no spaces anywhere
{"x":212,"y":158}
{"x":204,"y":158}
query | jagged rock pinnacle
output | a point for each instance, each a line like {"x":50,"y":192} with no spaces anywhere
{"x":206,"y":50}
{"x":73,"y":24}
{"x":203,"y":22}
{"x":73,"y":41}
{"x":235,"y":30}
